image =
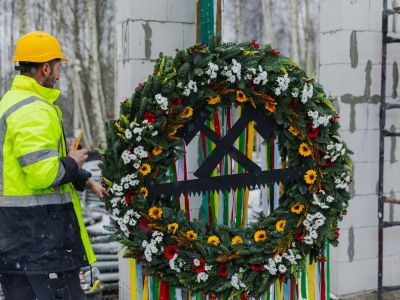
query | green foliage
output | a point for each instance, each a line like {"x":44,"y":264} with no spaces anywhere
{"x":184,"y":83}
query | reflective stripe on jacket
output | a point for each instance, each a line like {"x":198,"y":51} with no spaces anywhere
{"x":41,"y":224}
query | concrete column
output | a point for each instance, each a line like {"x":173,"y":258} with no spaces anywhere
{"x":350,"y":56}
{"x":144,"y":29}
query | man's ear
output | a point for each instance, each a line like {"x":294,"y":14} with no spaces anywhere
{"x":45,"y":69}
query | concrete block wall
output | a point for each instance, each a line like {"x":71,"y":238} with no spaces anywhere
{"x":350,"y":67}
{"x":144,"y":29}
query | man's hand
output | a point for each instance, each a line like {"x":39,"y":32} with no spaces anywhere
{"x":79,"y":156}
{"x":96,"y":188}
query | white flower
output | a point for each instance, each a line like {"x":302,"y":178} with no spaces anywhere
{"x":154,"y":133}
{"x":283,"y":84}
{"x":161,"y":101}
{"x":308,"y":240}
{"x":282,"y":268}
{"x":116,"y":212}
{"x":172,"y":264}
{"x":261,"y":77}
{"x":278,"y":259}
{"x":236,"y":282}
{"x":128,"y":134}
{"x":212,"y":70}
{"x":179,"y":85}
{"x":196,"y":262}
{"x":207,"y":267}
{"x":313,"y":234}
{"x":202,"y":277}
{"x":295,"y":94}
{"x":136,"y":165}
{"x":307,"y":93}
{"x":330,"y":199}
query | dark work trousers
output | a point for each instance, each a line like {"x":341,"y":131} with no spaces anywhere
{"x":65,"y":286}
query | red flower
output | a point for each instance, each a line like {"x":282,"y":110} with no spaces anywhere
{"x":328,"y":163}
{"x":293,"y":104}
{"x":176,"y":101}
{"x":128,"y":197}
{"x":299,"y":236}
{"x":337,"y":233}
{"x":334,"y":118}
{"x":144,"y":224}
{"x":256,"y":267}
{"x":312,"y":132}
{"x":275,"y":52}
{"x":255,"y":44}
{"x":201,"y":267}
{"x":139,"y":86}
{"x":150,"y":117}
{"x":170,"y":251}
{"x":253,"y":85}
{"x":202,"y":46}
{"x":222,"y":271}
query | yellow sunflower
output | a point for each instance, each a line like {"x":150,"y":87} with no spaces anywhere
{"x":214,"y":100}
{"x":310,"y":177}
{"x":213,"y":240}
{"x":304,"y":150}
{"x":157,"y":151}
{"x":297,"y":208}
{"x":260,"y":235}
{"x":173,"y":227}
{"x":280,"y":225}
{"x":144,"y":169}
{"x":293,"y":130}
{"x":187,"y":112}
{"x":155,"y":212}
{"x":144,"y":191}
{"x":191,"y":235}
{"x":241,"y":97}
{"x":236,"y":240}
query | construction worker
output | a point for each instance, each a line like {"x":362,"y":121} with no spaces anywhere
{"x":43,"y":240}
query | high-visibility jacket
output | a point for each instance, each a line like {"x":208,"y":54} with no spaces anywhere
{"x":41,"y":224}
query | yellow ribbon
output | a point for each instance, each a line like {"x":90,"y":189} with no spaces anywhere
{"x":311,"y":284}
{"x":250,"y":144}
{"x":132,"y":279}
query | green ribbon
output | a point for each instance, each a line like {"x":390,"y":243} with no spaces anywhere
{"x":206,"y":20}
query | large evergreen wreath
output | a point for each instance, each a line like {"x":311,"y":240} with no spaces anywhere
{"x":142,"y":144}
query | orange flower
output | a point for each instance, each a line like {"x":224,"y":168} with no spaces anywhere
{"x":155,"y":212}
{"x":144,"y":191}
{"x":191,"y":235}
{"x":187,"y":112}
{"x":310,"y":177}
{"x":260,"y":236}
{"x":214,"y":100}
{"x":236,"y":240}
{"x":173,"y":227}
{"x":213,"y":240}
{"x":157,"y":151}
{"x":270,"y":105}
{"x":304,"y":150}
{"x":297,"y":208}
{"x":144,"y":169}
{"x":241,"y":97}
{"x":280,"y":225}
{"x":293,"y":130}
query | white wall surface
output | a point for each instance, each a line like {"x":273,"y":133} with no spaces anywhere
{"x":350,"y":56}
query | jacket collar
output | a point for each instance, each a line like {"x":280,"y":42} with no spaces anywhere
{"x":26,"y":83}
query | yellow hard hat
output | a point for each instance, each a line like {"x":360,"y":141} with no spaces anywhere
{"x":38,"y":46}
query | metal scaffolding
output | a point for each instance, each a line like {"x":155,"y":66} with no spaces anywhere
{"x":382,"y":199}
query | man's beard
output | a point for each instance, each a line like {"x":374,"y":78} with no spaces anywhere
{"x":50,"y":82}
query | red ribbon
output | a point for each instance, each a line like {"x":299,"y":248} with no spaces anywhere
{"x":323,"y":292}
{"x":164,"y":291}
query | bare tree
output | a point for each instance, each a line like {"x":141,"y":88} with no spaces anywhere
{"x":267,"y":20}
{"x":97,"y":97}
{"x":294,"y":30}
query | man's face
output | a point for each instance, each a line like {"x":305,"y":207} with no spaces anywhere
{"x":51,"y":73}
